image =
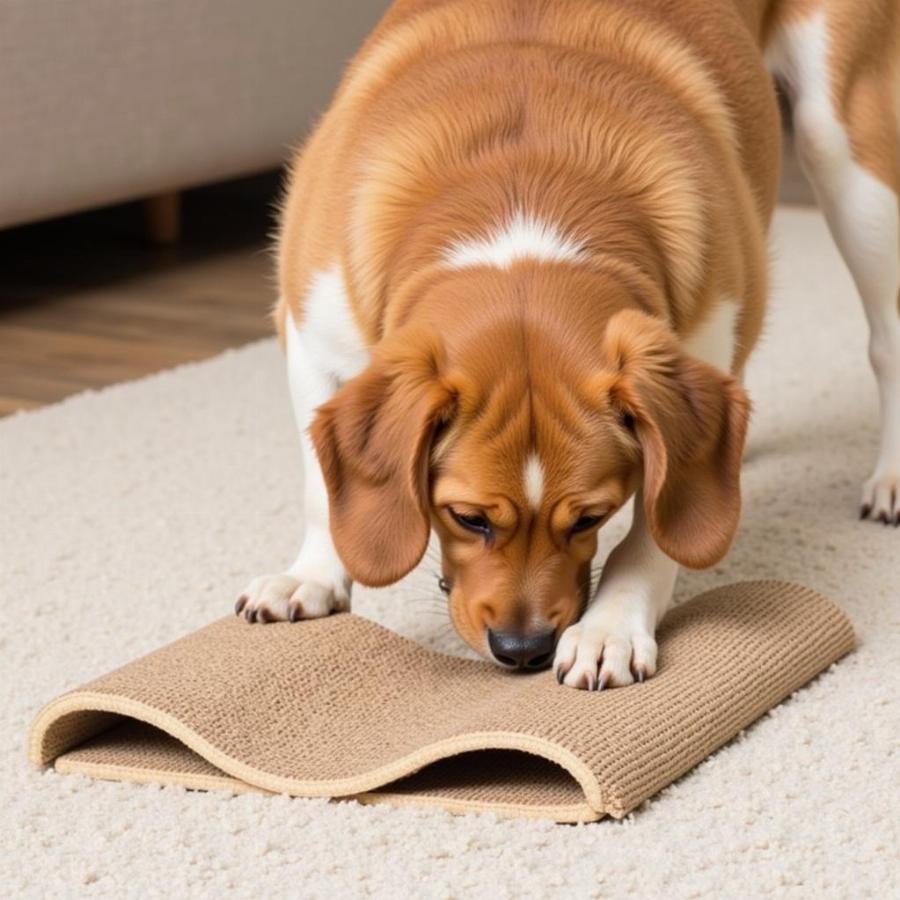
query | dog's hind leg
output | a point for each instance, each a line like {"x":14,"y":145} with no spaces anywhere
{"x":845,"y":126}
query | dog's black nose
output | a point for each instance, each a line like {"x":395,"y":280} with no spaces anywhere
{"x":524,"y":651}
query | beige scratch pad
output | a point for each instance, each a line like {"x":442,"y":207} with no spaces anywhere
{"x":341,"y":707}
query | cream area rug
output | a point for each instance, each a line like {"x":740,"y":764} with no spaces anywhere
{"x":132,"y":516}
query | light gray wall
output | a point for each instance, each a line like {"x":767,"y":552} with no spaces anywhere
{"x":106,"y":100}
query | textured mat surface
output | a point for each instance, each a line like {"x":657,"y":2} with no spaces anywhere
{"x":259,"y":706}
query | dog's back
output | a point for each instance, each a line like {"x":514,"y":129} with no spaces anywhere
{"x":484,"y":94}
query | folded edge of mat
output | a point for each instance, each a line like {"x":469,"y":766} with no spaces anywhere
{"x":135,"y":752}
{"x":76,"y":717}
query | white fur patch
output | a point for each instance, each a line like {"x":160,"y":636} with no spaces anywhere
{"x":522,"y":237}
{"x":533,"y":480}
{"x":713,"y":341}
{"x":328,"y":332}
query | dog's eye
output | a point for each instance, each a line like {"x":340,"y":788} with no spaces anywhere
{"x":584,"y":523}
{"x":473,"y":522}
{"x":628,"y":421}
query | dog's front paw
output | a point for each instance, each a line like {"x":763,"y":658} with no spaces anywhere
{"x":607,"y":648}
{"x":278,"y":598}
{"x":881,"y":496}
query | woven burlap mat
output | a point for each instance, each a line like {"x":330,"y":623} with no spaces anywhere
{"x":342,"y":707}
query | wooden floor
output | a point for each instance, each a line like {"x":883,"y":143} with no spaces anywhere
{"x":85,"y":301}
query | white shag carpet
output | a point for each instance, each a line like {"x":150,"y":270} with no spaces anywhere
{"x":133,"y":515}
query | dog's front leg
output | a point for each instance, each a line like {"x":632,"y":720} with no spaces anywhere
{"x":614,"y":642}
{"x":317,"y":583}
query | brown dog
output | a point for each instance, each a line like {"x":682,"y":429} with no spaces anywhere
{"x":523,"y":263}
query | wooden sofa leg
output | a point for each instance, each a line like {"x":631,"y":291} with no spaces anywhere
{"x":162,"y":218}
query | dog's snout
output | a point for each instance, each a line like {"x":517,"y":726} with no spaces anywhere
{"x":522,"y":650}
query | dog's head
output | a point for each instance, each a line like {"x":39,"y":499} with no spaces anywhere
{"x":516,"y":442}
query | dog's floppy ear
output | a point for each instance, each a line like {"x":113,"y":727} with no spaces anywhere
{"x":691,"y":420}
{"x":372,"y":440}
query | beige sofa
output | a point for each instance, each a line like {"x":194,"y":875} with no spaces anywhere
{"x":109,"y":100}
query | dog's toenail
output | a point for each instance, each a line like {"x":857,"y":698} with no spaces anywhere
{"x":640,"y":676}
{"x":241,"y":603}
{"x":295,"y":613}
{"x":560,"y":675}
{"x":865,"y":510}
{"x":603,"y":682}
{"x":251,"y":615}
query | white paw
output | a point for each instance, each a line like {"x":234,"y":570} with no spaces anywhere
{"x":881,"y":497}
{"x":607,"y":648}
{"x":279,"y":598}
